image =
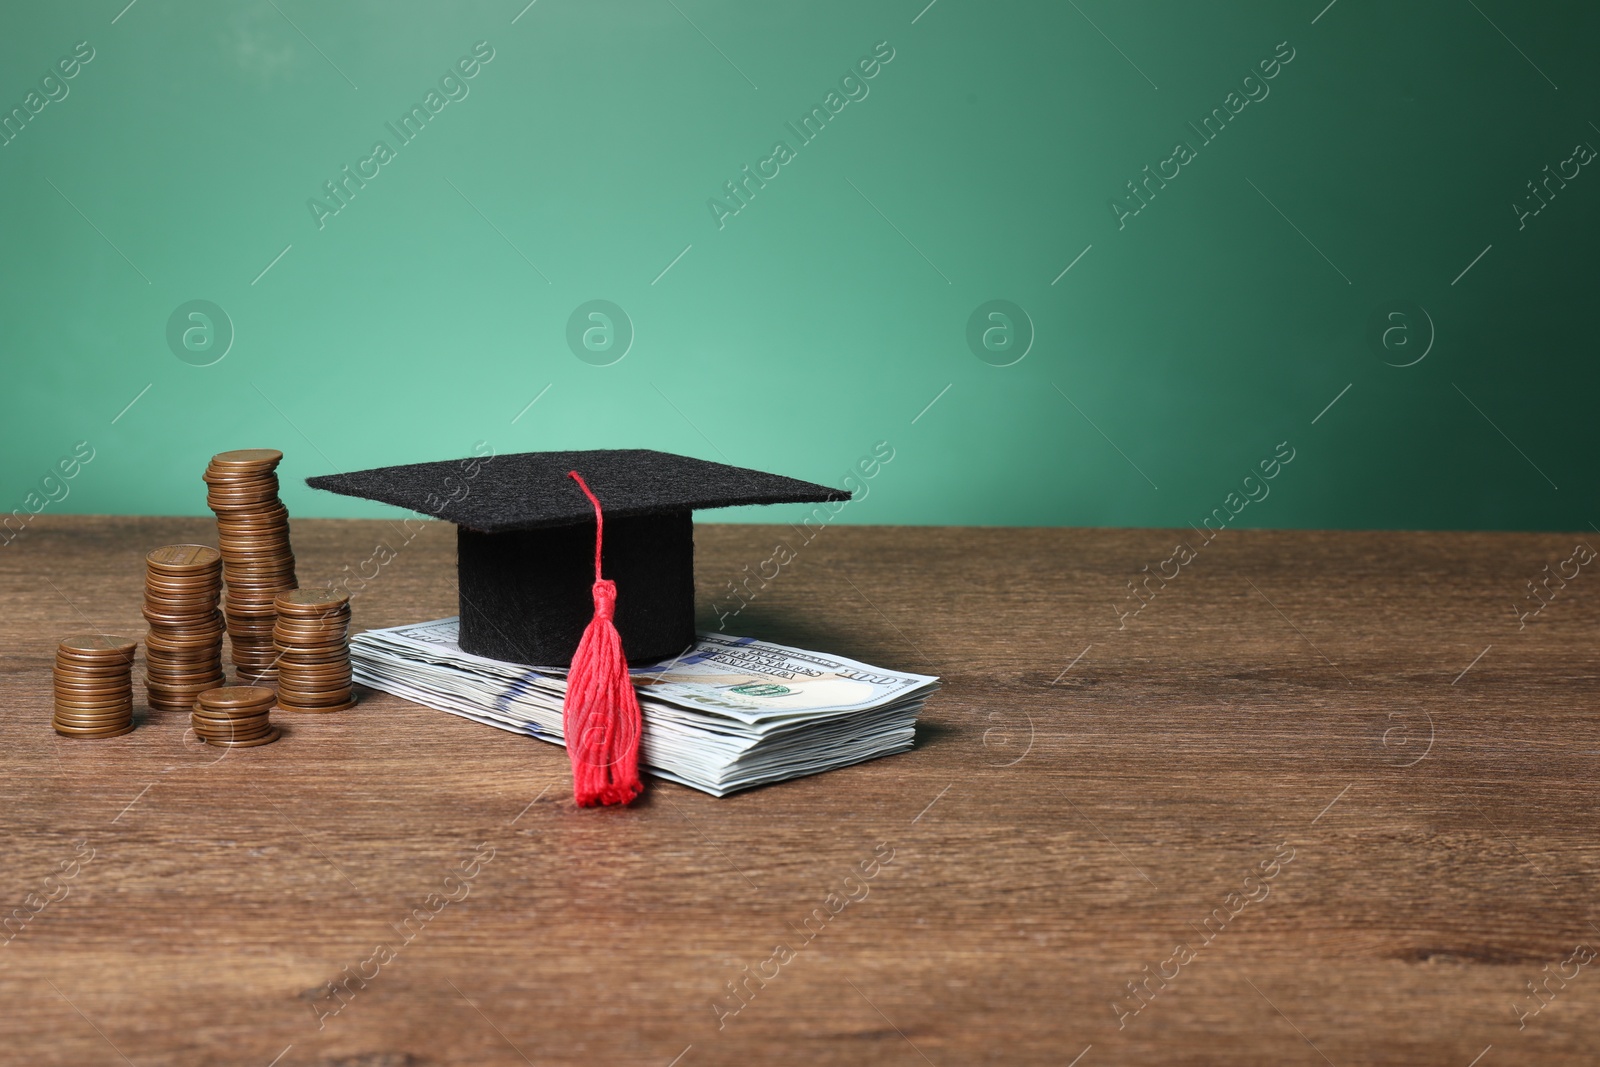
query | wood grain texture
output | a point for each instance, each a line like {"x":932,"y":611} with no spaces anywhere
{"x":1084,"y":794}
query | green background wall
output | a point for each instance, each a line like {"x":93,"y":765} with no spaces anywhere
{"x":1183,"y":345}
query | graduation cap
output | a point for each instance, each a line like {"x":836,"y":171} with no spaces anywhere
{"x":530,"y":526}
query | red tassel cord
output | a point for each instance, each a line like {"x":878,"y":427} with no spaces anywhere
{"x":600,"y":716}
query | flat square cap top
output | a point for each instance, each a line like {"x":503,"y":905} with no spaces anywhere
{"x":531,"y":490}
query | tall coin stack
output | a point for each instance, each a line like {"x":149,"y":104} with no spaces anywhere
{"x":94,"y":686}
{"x":313,"y":639}
{"x":183,"y":651}
{"x":235,"y":716}
{"x":257,"y":562}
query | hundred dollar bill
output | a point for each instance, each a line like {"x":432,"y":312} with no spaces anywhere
{"x":727,"y":714}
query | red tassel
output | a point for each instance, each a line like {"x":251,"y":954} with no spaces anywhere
{"x":600,"y":716}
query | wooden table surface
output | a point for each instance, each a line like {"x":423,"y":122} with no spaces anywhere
{"x":1326,"y":797}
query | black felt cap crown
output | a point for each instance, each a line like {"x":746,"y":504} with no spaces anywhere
{"x":525,"y":540}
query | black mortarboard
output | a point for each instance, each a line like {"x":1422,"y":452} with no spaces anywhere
{"x":525,"y":540}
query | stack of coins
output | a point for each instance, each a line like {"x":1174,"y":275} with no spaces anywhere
{"x":257,"y":562}
{"x":235,"y":716}
{"x":313,"y":639}
{"x":94,"y":686}
{"x":183,"y":651}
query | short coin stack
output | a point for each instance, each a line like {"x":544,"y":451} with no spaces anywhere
{"x":235,"y":716}
{"x":313,"y":640}
{"x":257,"y":562}
{"x":183,"y":651}
{"x":94,"y":686}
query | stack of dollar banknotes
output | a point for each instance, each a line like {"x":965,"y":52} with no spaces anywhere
{"x":730,"y":713}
